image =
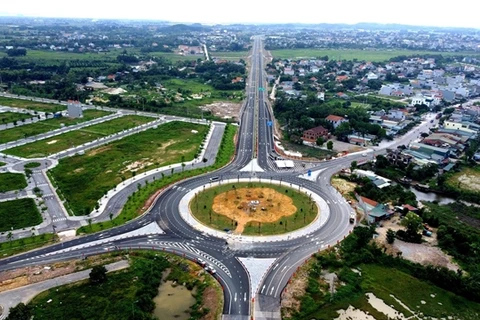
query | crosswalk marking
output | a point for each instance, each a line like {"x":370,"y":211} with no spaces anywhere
{"x":204,"y":255}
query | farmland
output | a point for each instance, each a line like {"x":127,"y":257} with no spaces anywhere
{"x":351,"y":54}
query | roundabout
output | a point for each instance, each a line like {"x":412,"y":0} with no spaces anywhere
{"x":239,"y":209}
{"x":253,"y":208}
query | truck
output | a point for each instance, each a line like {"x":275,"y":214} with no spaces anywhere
{"x":352,"y":217}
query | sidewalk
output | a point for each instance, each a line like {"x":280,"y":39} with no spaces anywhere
{"x":24,"y":294}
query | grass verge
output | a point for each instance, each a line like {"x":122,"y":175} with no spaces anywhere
{"x":25,"y":244}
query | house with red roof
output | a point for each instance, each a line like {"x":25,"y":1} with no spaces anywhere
{"x":336,"y":120}
{"x":311,"y":135}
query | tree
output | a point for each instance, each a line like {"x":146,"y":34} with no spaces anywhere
{"x":329,"y":145}
{"x":98,"y":274}
{"x":343,"y":130}
{"x":320,"y":141}
{"x":390,"y":236}
{"x":424,"y":134}
{"x":10,"y":237}
{"x":412,"y":223}
{"x":20,"y":312}
{"x":353,"y":165}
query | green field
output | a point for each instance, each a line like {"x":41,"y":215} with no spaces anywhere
{"x":361,"y":55}
{"x":77,"y":137}
{"x":12,"y":181}
{"x":174,"y":57}
{"x":18,"y":214}
{"x":2,"y":164}
{"x":468,"y":179}
{"x":84,"y":179}
{"x":9,"y":117}
{"x":230,"y":55}
{"x":31,"y":105}
{"x":39,"y":127}
{"x":126,"y":294}
{"x":135,"y":205}
{"x":60,"y":56}
{"x":306,"y":210}
{"x":386,"y":282}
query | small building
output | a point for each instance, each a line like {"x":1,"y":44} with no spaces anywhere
{"x":336,"y":120}
{"x":311,"y":135}
{"x":74,"y":109}
{"x":375,"y":211}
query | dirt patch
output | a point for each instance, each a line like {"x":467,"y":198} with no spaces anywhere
{"x":225,"y":110}
{"x":99,"y":150}
{"x":423,"y":253}
{"x":78,"y":170}
{"x":210,"y":302}
{"x":471,"y":182}
{"x":344,"y":187}
{"x":24,"y":276}
{"x":291,"y":298}
{"x":253,"y":204}
{"x":137,"y":165}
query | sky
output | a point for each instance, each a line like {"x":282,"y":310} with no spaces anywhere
{"x":458,"y":13}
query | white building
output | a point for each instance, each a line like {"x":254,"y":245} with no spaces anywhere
{"x":74,"y":109}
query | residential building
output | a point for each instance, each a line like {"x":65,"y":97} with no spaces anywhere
{"x":336,"y":120}
{"x":311,"y":135}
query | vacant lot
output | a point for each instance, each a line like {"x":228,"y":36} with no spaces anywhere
{"x":9,"y":117}
{"x":33,"y":129}
{"x":74,"y":138}
{"x":12,"y":181}
{"x":466,"y":179}
{"x":174,"y":57}
{"x":31,"y":105}
{"x":84,"y":179}
{"x":230,"y":55}
{"x":350,"y":54}
{"x":18,"y":214}
{"x":387,"y":293}
{"x":279,"y":209}
{"x":131,"y":291}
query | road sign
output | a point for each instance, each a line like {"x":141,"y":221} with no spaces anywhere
{"x":309,"y":172}
{"x":269,"y":123}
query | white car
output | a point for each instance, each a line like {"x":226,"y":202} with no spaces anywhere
{"x":364,"y":154}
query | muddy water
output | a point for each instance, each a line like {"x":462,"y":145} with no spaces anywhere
{"x":173,"y":301}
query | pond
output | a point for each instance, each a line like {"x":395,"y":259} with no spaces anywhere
{"x":431,"y":196}
{"x":173,"y":301}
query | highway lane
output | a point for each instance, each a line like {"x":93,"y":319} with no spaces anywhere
{"x":185,"y":240}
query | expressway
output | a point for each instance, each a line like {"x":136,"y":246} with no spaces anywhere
{"x":254,"y":143}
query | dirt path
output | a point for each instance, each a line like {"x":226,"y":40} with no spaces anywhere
{"x":253,"y":204}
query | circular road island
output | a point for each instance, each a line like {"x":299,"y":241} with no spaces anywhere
{"x":253,"y":208}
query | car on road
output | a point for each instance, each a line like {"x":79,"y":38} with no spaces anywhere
{"x":214,"y":178}
{"x":201,"y":262}
{"x":210,"y":269}
{"x":364,"y":154}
